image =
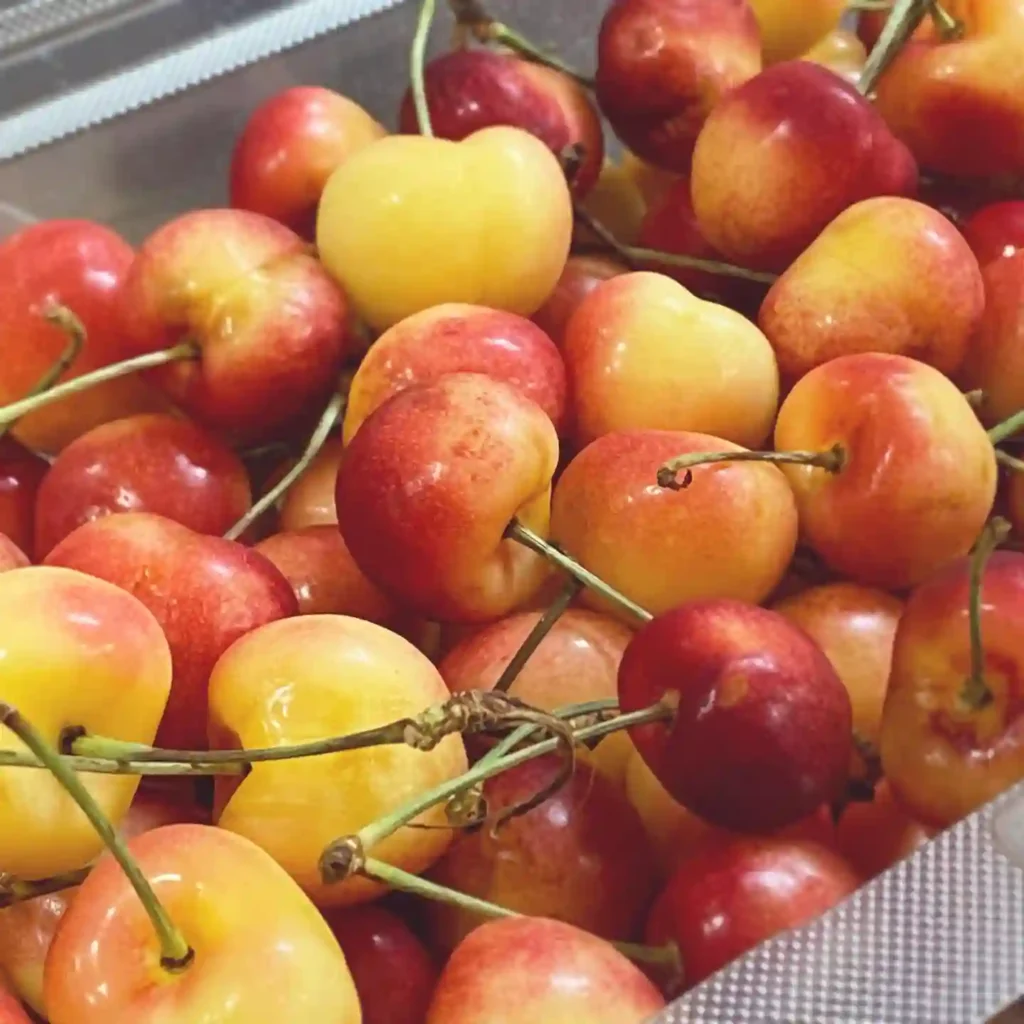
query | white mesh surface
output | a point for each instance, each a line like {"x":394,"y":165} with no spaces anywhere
{"x":939,"y":939}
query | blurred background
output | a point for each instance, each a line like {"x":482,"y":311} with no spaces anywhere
{"x":135,"y":171}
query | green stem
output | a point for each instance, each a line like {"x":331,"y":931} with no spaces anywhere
{"x":525,"y":536}
{"x":122,"y":765}
{"x":536,"y":635}
{"x":175,"y":951}
{"x":472,"y":810}
{"x":467,"y":712}
{"x":470,"y":711}
{"x":503,"y":35}
{"x":524,"y":732}
{"x":62,"y":317}
{"x":417,"y":58}
{"x":950,"y":28}
{"x":505,"y":746}
{"x":316,"y":441}
{"x":14,"y":411}
{"x":471,"y":15}
{"x":832,"y":460}
{"x":1009,"y":461}
{"x":901,"y":24}
{"x":1002,"y":431}
{"x":976,"y":693}
{"x":405,"y":881}
{"x":653,"y":956}
{"x":635,"y":257}
{"x":345,"y":856}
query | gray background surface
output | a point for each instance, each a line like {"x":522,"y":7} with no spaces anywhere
{"x":136,"y":171}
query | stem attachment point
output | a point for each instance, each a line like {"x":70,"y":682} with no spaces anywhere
{"x":176,"y":954}
{"x":832,"y":461}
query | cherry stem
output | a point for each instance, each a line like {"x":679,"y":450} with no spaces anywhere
{"x":123,"y":765}
{"x":976,"y":693}
{"x":524,"y":535}
{"x":15,"y":890}
{"x":148,"y":361}
{"x":1005,"y":430}
{"x":470,"y":15}
{"x":581,"y":715}
{"x":901,"y":24}
{"x":536,"y":635}
{"x":316,"y":441}
{"x":1009,"y":461}
{"x":975,"y":399}
{"x":832,"y":460}
{"x":175,"y":951}
{"x":471,"y":711}
{"x":62,"y":317}
{"x":950,"y":28}
{"x":595,"y":709}
{"x":405,"y":881}
{"x":635,"y":256}
{"x":417,"y":58}
{"x":345,"y":856}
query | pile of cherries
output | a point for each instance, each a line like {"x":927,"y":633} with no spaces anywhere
{"x":467,"y":579}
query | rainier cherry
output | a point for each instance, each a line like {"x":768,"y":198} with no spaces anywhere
{"x":759,"y":733}
{"x":410,"y":222}
{"x":559,"y":974}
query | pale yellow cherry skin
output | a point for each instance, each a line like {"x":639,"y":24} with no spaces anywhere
{"x":410,"y":222}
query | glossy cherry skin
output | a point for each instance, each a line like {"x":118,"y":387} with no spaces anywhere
{"x":536,"y":969}
{"x":151,"y":463}
{"x":263,"y":952}
{"x":760,"y":735}
{"x":21,"y":473}
{"x":468,"y":90}
{"x":290,"y":146}
{"x":733,"y":894}
{"x":582,"y":274}
{"x":663,"y":65}
{"x":83,"y":266}
{"x":326,"y":581}
{"x":944,"y":754}
{"x":393,"y":972}
{"x":577,"y":661}
{"x":996,"y":231}
{"x":206,"y":593}
{"x":582,"y":856}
